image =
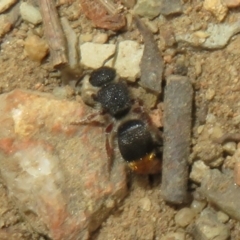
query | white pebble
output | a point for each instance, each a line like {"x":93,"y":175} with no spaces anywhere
{"x":210,"y":93}
{"x":230,"y":147}
{"x":30,"y":14}
{"x":145,"y":203}
{"x":199,"y":169}
{"x":128,"y":59}
{"x":93,"y":55}
{"x":222,"y":217}
{"x":198,"y":206}
{"x":184,"y":217}
{"x":5,"y":4}
{"x":100,"y":38}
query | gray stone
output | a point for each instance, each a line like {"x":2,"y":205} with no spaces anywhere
{"x":207,"y":227}
{"x":148,"y":8}
{"x":221,"y":190}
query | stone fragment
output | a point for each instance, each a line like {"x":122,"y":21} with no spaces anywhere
{"x":8,"y":20}
{"x":230,"y":147}
{"x":222,"y":217}
{"x":209,"y":153}
{"x":30,"y":13}
{"x":210,"y":93}
{"x":147,"y":8}
{"x":217,"y":8}
{"x":169,"y":7}
{"x":36,"y":48}
{"x":219,"y":35}
{"x":145,"y":203}
{"x":208,"y":227}
{"x":184,"y":217}
{"x":221,"y":190}
{"x":100,"y":38}
{"x":6,"y":4}
{"x":151,"y":65}
{"x":198,"y":206}
{"x":54,"y":168}
{"x":177,"y":134}
{"x":231,"y":3}
{"x":128,"y":60}
{"x":199,"y":169}
{"x":93,"y":55}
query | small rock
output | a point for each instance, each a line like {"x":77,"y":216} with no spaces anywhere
{"x":184,"y":217}
{"x":219,"y":35}
{"x":6,"y":4}
{"x":209,"y":153}
{"x":100,"y":38}
{"x":217,"y":8}
{"x":93,"y":55}
{"x":147,"y":8}
{"x":208,"y":227}
{"x":220,"y":190}
{"x":174,"y":236}
{"x":85,"y":37}
{"x":36,"y":48}
{"x":210,"y":93}
{"x":230,"y":147}
{"x":199,"y":169}
{"x":222,"y":217}
{"x":128,"y":60}
{"x":169,"y":7}
{"x":129,"y":3}
{"x":8,"y":20}
{"x":198,"y":206}
{"x":231,"y":3}
{"x":30,"y":13}
{"x":145,"y":203}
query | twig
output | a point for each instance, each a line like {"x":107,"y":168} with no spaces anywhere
{"x":54,"y":33}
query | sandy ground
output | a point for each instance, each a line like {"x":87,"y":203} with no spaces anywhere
{"x":143,"y":214}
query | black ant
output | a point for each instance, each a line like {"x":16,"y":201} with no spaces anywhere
{"x":138,"y":140}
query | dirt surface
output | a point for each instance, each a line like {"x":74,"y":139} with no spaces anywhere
{"x":143,"y":214}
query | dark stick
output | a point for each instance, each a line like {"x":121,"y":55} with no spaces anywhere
{"x":177,"y":133}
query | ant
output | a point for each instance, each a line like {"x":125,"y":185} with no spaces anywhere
{"x":138,"y":141}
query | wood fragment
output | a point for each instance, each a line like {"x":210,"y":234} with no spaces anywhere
{"x":54,"y":33}
{"x":177,"y":133}
{"x":103,"y":14}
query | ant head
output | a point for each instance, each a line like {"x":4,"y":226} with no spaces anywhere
{"x":102,"y":76}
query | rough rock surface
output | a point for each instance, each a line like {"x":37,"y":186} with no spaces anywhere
{"x":219,"y":189}
{"x":56,"y":172}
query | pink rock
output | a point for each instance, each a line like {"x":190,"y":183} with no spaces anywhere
{"x":57,"y":172}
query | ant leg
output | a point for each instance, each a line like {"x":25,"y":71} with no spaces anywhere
{"x":139,"y":108}
{"x":91,"y":118}
{"x":109,"y":146}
